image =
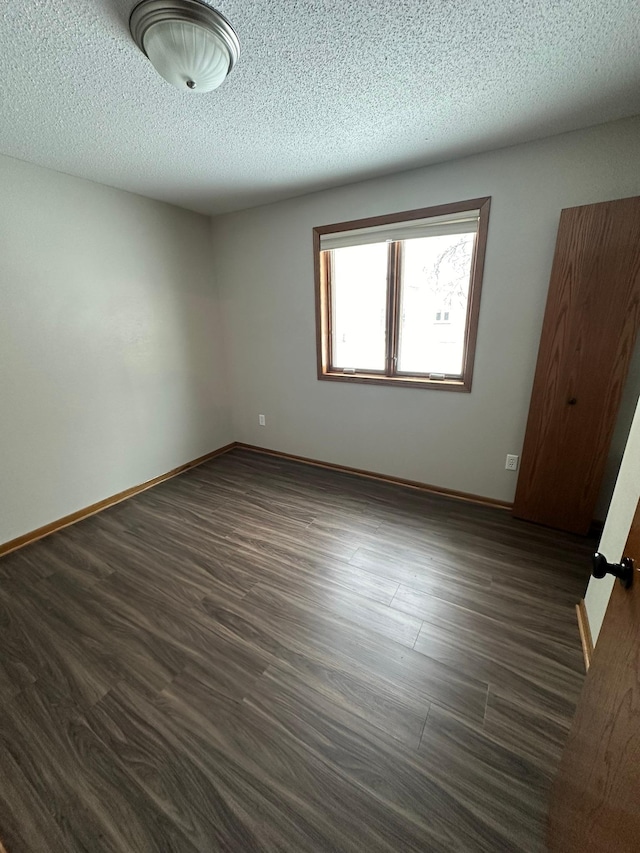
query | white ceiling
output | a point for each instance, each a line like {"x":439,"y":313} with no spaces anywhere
{"x":325,"y":92}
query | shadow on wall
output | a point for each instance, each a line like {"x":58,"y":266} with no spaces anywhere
{"x":200,"y":363}
{"x":627,"y":409}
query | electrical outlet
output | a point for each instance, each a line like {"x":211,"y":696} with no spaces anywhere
{"x":512,"y":462}
{"x":262,"y":421}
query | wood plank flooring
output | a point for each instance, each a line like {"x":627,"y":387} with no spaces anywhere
{"x":261,"y":655}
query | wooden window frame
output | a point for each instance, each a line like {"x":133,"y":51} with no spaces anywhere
{"x":390,"y":375}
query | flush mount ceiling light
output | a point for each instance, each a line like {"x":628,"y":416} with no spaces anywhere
{"x":188,"y":42}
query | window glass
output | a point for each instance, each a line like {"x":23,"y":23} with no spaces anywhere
{"x":435,"y":273}
{"x":359,"y":297}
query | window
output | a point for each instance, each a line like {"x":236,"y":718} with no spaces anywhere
{"x":398,"y":297}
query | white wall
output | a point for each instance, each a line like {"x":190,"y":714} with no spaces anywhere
{"x":617,"y":526}
{"x":110,"y":359}
{"x":263,"y":264}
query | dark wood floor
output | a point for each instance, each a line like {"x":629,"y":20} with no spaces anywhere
{"x":262,"y":655}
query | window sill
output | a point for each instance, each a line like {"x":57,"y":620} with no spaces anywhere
{"x":399,"y":381}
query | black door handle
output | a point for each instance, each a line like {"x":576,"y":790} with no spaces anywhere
{"x":622,"y":570}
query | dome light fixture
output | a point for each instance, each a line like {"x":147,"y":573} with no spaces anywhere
{"x":188,"y":42}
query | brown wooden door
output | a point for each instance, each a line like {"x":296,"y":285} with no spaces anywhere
{"x":595,"y":804}
{"x":589,"y":330}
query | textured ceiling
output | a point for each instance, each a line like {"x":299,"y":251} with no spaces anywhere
{"x":325,"y":92}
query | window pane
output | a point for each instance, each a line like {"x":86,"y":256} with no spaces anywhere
{"x":433,"y":303}
{"x":359,"y":294}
